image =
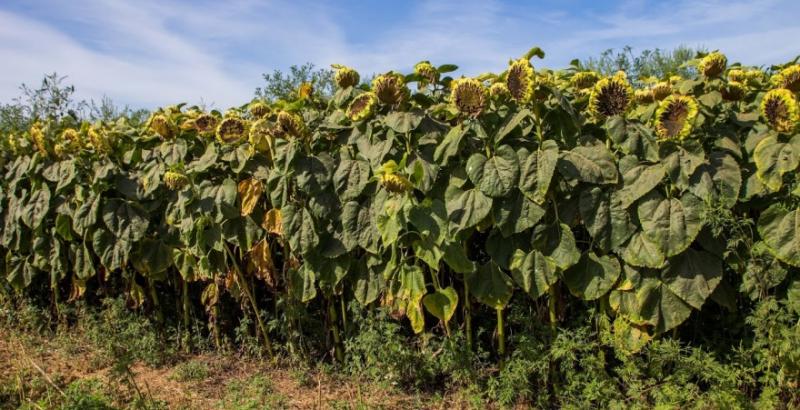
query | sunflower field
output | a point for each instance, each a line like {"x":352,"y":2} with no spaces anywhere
{"x":657,"y":208}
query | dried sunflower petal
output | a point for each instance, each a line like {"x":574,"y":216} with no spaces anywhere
{"x":362,"y":107}
{"x":713,"y":64}
{"x":231,"y":129}
{"x":205,"y":123}
{"x":290,"y":125}
{"x":779,"y":109}
{"x":258,"y":109}
{"x":519,"y":80}
{"x":161,"y":125}
{"x":427,"y":72}
{"x":610,"y":96}
{"x":675,"y":117}
{"x":468,"y":95}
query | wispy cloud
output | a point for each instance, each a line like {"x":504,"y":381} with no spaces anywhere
{"x":155,"y":52}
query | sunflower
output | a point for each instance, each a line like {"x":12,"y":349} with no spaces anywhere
{"x":584,"y":79}
{"x":468,"y":95}
{"x":661,"y":90}
{"x":68,"y":142}
{"x":610,"y":96}
{"x":713,"y":64}
{"x":643,"y":96}
{"x":290,"y":125}
{"x":736,"y":74}
{"x":675,"y":117}
{"x":788,"y":78}
{"x":499,"y":91}
{"x":362,"y":107}
{"x":39,"y":138}
{"x":390,"y":88}
{"x":101,"y":142}
{"x":175,"y":180}
{"x":161,"y":125}
{"x":395,"y":183}
{"x":305,"y":91}
{"x":346,"y":76}
{"x":733,"y":91}
{"x":260,"y":136}
{"x":779,"y":109}
{"x":519,"y":80}
{"x":205,"y":123}
{"x":231,"y":129}
{"x":426,"y":72}
{"x":258,"y":109}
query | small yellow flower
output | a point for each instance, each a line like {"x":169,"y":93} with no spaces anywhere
{"x":661,"y":90}
{"x":426,"y":72}
{"x":788,"y":78}
{"x":584,"y":79}
{"x":675,"y":117}
{"x":713,"y":64}
{"x":175,"y":181}
{"x":395,"y":183}
{"x":346,"y":76}
{"x":520,"y":79}
{"x":258,"y":109}
{"x":610,"y":96}
{"x":779,"y":109}
{"x":231,"y":129}
{"x":468,"y":95}
{"x":362,"y":107}
{"x":390,"y":88}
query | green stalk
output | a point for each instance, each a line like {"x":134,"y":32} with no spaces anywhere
{"x":185,"y":300}
{"x":248,"y":293}
{"x":467,"y":316}
{"x":501,"y":335}
{"x":338,"y":349}
{"x":552,"y":308}
{"x":151,"y":288}
{"x":344,"y":313}
{"x":215,"y":326}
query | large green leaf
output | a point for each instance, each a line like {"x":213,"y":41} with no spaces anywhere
{"x":403,"y":121}
{"x":516,"y":214}
{"x":773,"y":158}
{"x":442,"y":303}
{"x":537,"y":169}
{"x":591,"y":162}
{"x":37,"y":208}
{"x":780,"y":230}
{"x":495,"y":176}
{"x":449,"y":147}
{"x":490,"y":285}
{"x":671,"y":223}
{"x":350,"y":178}
{"x":693,"y":276}
{"x":605,"y":218}
{"x":719,"y":181}
{"x":298,"y":227}
{"x":638,"y":179}
{"x":533,"y":272}
{"x":412,"y":290}
{"x":359,"y":228}
{"x":127,"y":220}
{"x":468,"y":208}
{"x":593,"y":276}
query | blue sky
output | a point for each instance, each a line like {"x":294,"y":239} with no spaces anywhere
{"x":148,"y":53}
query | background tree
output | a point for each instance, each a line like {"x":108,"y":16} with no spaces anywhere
{"x":648,"y":63}
{"x":283,"y":86}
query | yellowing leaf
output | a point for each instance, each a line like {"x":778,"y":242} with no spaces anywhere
{"x":273,"y":222}
{"x":249,"y":192}
{"x":261,"y":262}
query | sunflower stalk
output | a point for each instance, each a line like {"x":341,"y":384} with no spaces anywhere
{"x":249,"y":295}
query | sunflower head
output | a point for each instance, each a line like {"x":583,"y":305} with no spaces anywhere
{"x":290,"y":125}
{"x":205,"y":123}
{"x":231,"y":129}
{"x":260,"y":136}
{"x":395,"y":183}
{"x":468,"y":95}
{"x":39,"y":138}
{"x":362,"y":107}
{"x":346,"y":77}
{"x":69,"y":142}
{"x":713,"y":64}
{"x":584,"y":79}
{"x":161,"y":125}
{"x":788,"y":78}
{"x":390,"y":88}
{"x":779,"y":109}
{"x":675,"y":117}
{"x":736,"y":74}
{"x":499,"y":91}
{"x":675,"y":79}
{"x":733,"y":91}
{"x":305,"y":91}
{"x":610,"y":96}
{"x":426,"y":72}
{"x":661,"y":90}
{"x":100,"y":139}
{"x":643,"y":97}
{"x":519,"y":80}
{"x":175,"y":181}
{"x":258,"y":109}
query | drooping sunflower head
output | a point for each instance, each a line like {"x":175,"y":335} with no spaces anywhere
{"x":231,"y":129}
{"x":100,"y":139}
{"x":175,"y":181}
{"x":733,"y":91}
{"x":205,"y":123}
{"x":713,"y":64}
{"x":499,"y":91}
{"x":643,"y":97}
{"x":520,"y":80}
{"x":788,"y":78}
{"x":258,"y":109}
{"x":780,"y":111}
{"x":362,"y":107}
{"x":390,"y":88}
{"x":346,"y":76}
{"x":260,"y":136}
{"x":290,"y":125}
{"x":395,"y":183}
{"x":584,"y":79}
{"x":736,"y":74}
{"x":305,"y":91}
{"x":162,"y":125}
{"x":468,"y":95}
{"x":661,"y":90}
{"x":39,"y":138}
{"x":610,"y":96}
{"x":675,"y":117}
{"x":69,"y":142}
{"x":426,"y":72}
